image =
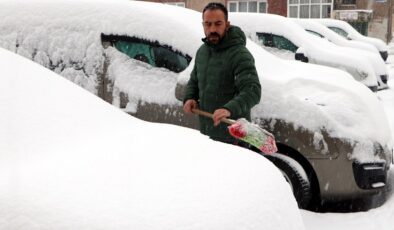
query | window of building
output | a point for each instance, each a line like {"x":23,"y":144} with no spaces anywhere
{"x":309,"y":8}
{"x":259,"y":6}
{"x":181,"y":4}
{"x":153,"y":53}
{"x":349,"y":2}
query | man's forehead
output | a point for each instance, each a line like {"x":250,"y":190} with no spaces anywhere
{"x":213,"y":15}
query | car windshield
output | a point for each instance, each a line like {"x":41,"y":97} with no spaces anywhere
{"x":339,"y":31}
{"x":315,"y":33}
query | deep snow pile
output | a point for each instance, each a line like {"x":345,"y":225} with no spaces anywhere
{"x":71,"y":161}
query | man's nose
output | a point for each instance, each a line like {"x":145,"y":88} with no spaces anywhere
{"x":212,"y":28}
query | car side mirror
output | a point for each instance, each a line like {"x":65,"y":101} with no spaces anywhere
{"x":349,"y":37}
{"x":300,"y":56}
{"x":180,"y":91}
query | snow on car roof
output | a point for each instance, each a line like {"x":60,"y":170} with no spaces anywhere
{"x":68,"y":160}
{"x":103,"y":16}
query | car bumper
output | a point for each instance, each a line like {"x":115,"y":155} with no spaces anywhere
{"x":344,"y":179}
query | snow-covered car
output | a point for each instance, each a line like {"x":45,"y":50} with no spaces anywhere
{"x":278,"y":34}
{"x":69,"y":160}
{"x":347,"y":31}
{"x":323,"y":32}
{"x":138,"y":56}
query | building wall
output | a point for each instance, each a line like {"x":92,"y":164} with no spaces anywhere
{"x":277,"y":7}
{"x":274,"y":6}
{"x":200,"y":4}
{"x":162,"y":1}
{"x":379,"y":9}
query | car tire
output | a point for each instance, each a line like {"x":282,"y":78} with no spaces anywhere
{"x":296,"y":176}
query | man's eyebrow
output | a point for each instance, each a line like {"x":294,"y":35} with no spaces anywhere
{"x":214,"y":21}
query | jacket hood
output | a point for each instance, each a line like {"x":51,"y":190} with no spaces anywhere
{"x":234,"y":36}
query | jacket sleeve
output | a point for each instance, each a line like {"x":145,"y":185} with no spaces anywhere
{"x":247,"y":84}
{"x":192,"y":91}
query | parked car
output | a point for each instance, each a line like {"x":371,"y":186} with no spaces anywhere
{"x":347,"y":31}
{"x":287,"y":35}
{"x":138,"y":56}
{"x":323,"y":32}
{"x":71,"y":161}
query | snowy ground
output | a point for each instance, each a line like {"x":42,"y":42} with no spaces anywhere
{"x":381,"y":218}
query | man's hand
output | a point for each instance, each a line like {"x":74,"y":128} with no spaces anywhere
{"x":189,"y":105}
{"x":219,"y":114}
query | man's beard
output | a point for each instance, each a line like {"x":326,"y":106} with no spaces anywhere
{"x":214,"y":38}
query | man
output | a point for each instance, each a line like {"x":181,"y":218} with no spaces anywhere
{"x":224,"y":80}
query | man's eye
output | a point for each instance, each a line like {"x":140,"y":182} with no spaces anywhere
{"x":218,"y":23}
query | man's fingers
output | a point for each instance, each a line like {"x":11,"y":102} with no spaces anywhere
{"x":189,"y":105}
{"x":220,"y":114}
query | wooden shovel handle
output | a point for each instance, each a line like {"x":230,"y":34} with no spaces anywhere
{"x":210,"y":115}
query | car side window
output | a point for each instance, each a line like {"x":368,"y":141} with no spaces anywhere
{"x":265,"y":39}
{"x":153,"y":53}
{"x":339,"y":31}
{"x":275,"y":41}
{"x":138,"y":51}
{"x":315,"y":33}
{"x":283,"y":43}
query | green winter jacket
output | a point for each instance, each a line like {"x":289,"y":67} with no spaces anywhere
{"x":224,"y":76}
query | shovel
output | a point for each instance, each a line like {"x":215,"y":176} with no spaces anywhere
{"x":248,"y":132}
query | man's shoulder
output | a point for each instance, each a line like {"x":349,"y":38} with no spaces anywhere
{"x":240,"y":52}
{"x":202,"y":49}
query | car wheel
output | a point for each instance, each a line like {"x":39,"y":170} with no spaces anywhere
{"x":296,"y":176}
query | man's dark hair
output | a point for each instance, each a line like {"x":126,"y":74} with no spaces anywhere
{"x":216,"y":6}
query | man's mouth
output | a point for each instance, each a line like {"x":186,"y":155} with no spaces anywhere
{"x":214,"y":35}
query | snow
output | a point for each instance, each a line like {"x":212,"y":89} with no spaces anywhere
{"x":334,"y":37}
{"x":317,"y":50}
{"x":68,"y":160}
{"x":353,"y":33}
